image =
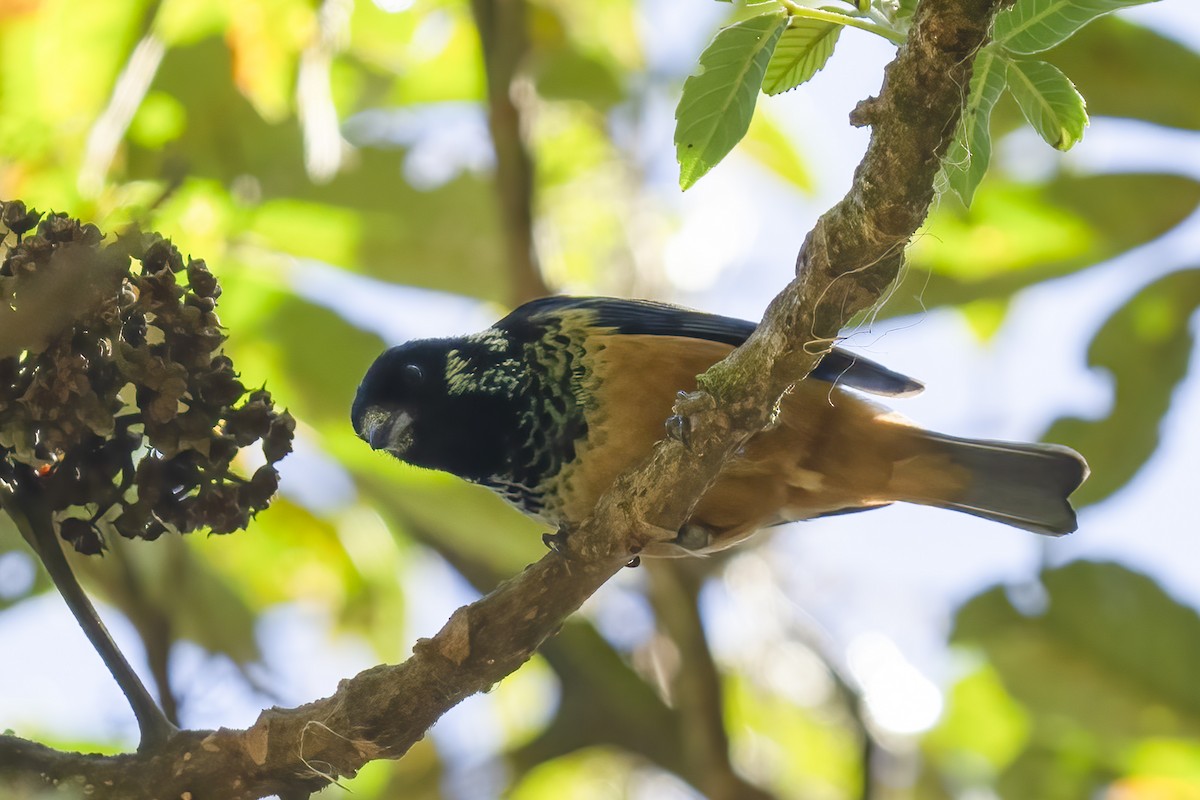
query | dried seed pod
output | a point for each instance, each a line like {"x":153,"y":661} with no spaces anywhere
{"x":17,"y":219}
{"x":81,"y":535}
{"x":77,"y":410}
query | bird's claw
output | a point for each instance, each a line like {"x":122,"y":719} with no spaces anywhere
{"x":557,"y":541}
{"x":679,"y":429}
{"x":687,"y":406}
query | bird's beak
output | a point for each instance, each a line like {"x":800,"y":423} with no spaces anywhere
{"x":386,"y":430}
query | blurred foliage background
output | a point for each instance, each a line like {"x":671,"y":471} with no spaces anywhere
{"x":361,"y":172}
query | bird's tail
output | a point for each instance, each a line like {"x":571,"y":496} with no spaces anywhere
{"x":1023,"y":485}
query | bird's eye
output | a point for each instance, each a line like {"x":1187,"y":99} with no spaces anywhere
{"x":413,"y":376}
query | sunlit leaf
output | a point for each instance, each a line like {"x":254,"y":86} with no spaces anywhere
{"x":1167,"y":758}
{"x":602,"y":30}
{"x":1125,"y":70}
{"x":985,"y":316}
{"x":1010,"y":228}
{"x":904,"y":13}
{"x":967,"y":749}
{"x":1068,"y":771}
{"x":58,"y":63}
{"x":718,"y":100}
{"x":1031,"y":26}
{"x":169,"y":579}
{"x":821,"y":757}
{"x":775,"y":148}
{"x":597,"y":688}
{"x":574,"y":775}
{"x":431,"y":505}
{"x":567,"y":74}
{"x":428,"y":53}
{"x":307,"y":560}
{"x":1015,"y":235}
{"x":1112,"y":654}
{"x":801,"y":52}
{"x":1146,"y":346}
{"x":315,"y":354}
{"x":966,"y":160}
{"x":265,"y":38}
{"x":417,"y":776}
{"x":368,"y":218}
{"x":180,"y":22}
{"x":160,"y":119}
{"x":224,"y":136}
{"x":1049,"y":101}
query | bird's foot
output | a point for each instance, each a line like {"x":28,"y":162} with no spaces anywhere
{"x":679,"y":430}
{"x":557,"y":541}
{"x":693,"y":537}
{"x":679,"y":427}
{"x":687,"y":405}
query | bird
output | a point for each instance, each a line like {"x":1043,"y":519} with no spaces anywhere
{"x":551,"y":403}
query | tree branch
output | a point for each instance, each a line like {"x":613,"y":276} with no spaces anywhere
{"x":847,"y":261}
{"x":505,"y":44}
{"x":675,"y":594}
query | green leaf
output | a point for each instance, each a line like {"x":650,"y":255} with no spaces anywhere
{"x":768,"y":144}
{"x":1113,"y":656}
{"x":1049,"y":101}
{"x":1015,"y":234}
{"x":172,"y":581}
{"x":718,"y":101}
{"x":966,"y":160}
{"x":265,"y":54}
{"x":1070,"y":767}
{"x":821,"y":752}
{"x":1126,"y":70}
{"x":361,"y":219}
{"x":904,"y":13}
{"x":1032,"y":26}
{"x":564,"y":73}
{"x":802,"y":51}
{"x":1146,"y":346}
{"x":980,"y":696}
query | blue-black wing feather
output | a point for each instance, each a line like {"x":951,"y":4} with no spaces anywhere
{"x":647,"y":317}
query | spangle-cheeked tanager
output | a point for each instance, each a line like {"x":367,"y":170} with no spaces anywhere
{"x":551,"y":403}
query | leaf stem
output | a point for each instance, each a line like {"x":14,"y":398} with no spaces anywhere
{"x":794,"y":9}
{"x":33,"y":519}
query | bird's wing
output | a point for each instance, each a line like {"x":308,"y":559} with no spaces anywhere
{"x":646,"y":317}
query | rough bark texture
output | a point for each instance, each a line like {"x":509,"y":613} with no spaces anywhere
{"x":845,"y":265}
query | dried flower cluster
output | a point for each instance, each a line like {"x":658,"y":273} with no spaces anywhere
{"x":116,"y":402}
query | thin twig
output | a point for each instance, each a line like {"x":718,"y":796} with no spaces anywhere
{"x":153,"y":624}
{"x":33,"y":519}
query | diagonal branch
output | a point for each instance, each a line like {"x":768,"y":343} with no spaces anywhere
{"x":847,"y":261}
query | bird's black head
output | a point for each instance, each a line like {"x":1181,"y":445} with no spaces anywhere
{"x":445,"y":404}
